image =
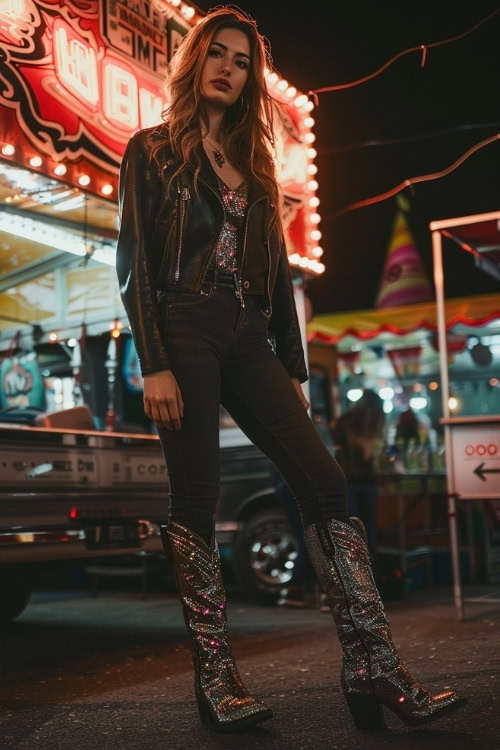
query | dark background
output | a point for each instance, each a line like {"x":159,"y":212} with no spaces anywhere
{"x":320,"y":43}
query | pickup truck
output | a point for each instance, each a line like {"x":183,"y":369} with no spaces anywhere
{"x":74,"y":495}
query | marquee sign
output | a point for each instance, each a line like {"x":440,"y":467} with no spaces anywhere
{"x":83,"y":76}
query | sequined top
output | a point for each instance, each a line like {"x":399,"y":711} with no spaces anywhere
{"x":231,"y":235}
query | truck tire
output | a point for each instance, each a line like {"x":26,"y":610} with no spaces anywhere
{"x":260,"y":553}
{"x":15,"y":592}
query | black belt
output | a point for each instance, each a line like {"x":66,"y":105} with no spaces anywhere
{"x":224,"y":278}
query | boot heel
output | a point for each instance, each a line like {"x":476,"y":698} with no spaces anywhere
{"x":366,"y":711}
{"x":205,"y":715}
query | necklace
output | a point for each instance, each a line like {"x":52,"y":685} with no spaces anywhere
{"x":217,"y":152}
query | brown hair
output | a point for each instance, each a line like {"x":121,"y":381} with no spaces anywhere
{"x":248,"y":123}
{"x":366,"y":418}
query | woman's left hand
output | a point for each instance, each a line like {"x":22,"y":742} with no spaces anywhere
{"x":300,"y":393}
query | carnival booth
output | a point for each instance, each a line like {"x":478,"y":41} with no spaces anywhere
{"x":77,"y":81}
{"x":398,"y":351}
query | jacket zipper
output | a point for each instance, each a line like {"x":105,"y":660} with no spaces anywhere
{"x":202,"y":275}
{"x":184,"y":196}
{"x":268,"y":275}
{"x":237,"y":274}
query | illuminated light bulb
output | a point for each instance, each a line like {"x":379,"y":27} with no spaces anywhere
{"x":60,"y":169}
{"x":304,"y":262}
{"x":316,"y":235}
{"x":283,"y":85}
{"x":175,"y":2}
{"x":417,"y":387}
{"x":36,"y":161}
{"x":272,"y":77}
{"x":309,"y":137}
{"x":386,"y":392}
{"x":266,"y":71}
{"x":312,"y":168}
{"x":115,"y":328}
{"x":309,"y":122}
{"x":8,"y":199}
{"x":314,"y":218}
{"x":418,"y":402}
{"x":107,"y":189}
{"x":294,"y":258}
{"x":52,"y":337}
{"x":453,"y":403}
{"x":84,"y":180}
{"x":309,"y":105}
{"x":312,"y":153}
{"x":291,"y":91}
{"x":72,"y":342}
{"x":317,"y":251}
{"x":16,"y":197}
{"x":300,"y":100}
{"x":354,"y":394}
{"x":321,"y":267}
{"x":493,"y":381}
{"x":312,"y":185}
{"x":188,"y":11}
{"x":388,"y":406}
{"x":433,"y":386}
{"x":314,"y":201}
{"x":8,"y":150}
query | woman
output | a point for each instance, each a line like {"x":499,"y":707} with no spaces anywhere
{"x":206,"y":283}
{"x":357,"y":433}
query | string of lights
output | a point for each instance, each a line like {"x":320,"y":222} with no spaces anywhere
{"x":409,"y":139}
{"x":422,"y":48}
{"x":413,"y":180}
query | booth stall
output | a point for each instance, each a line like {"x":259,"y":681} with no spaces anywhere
{"x":401,"y":352}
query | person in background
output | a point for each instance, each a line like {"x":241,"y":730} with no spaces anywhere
{"x":357,"y":434}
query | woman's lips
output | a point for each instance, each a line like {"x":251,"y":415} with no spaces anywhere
{"x":221,"y":86}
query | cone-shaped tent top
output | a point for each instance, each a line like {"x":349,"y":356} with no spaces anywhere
{"x":404,"y":281}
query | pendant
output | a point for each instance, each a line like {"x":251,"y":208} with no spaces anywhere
{"x":219,"y":158}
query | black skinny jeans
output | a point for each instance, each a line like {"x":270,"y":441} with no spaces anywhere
{"x":220,"y":354}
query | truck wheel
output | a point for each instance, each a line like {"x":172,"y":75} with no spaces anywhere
{"x":262,"y":554}
{"x":15,"y":592}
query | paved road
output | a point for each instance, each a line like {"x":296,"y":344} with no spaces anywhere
{"x":114,"y":673}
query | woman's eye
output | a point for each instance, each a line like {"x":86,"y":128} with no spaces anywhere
{"x":242,"y":64}
{"x":214,"y":52}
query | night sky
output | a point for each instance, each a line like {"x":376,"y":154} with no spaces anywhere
{"x":320,"y":43}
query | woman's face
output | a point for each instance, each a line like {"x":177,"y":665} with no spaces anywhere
{"x":225,"y":70}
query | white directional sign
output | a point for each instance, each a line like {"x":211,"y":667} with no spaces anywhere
{"x":476,"y":460}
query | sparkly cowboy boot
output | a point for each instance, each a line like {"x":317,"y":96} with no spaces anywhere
{"x":373,"y":675}
{"x":223,"y":702}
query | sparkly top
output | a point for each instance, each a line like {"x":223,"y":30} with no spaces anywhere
{"x":231,"y":235}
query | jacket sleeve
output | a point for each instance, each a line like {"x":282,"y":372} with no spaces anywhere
{"x":138,"y":203}
{"x":284,"y":323}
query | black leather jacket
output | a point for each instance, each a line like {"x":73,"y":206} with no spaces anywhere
{"x":165,"y":243}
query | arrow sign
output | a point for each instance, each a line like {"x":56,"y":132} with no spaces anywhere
{"x":481,"y":471}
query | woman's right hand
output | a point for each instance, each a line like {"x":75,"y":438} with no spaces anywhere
{"x":162,"y":399}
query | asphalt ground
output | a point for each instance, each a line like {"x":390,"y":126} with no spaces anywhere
{"x":114,"y":672}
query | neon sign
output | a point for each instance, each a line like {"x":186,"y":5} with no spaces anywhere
{"x":79,"y":90}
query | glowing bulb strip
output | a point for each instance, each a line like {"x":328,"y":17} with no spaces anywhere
{"x":58,"y":239}
{"x":289,"y":94}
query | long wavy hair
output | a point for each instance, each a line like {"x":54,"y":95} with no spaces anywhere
{"x":247,"y":124}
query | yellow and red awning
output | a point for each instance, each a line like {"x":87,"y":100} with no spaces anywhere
{"x":472,"y":311}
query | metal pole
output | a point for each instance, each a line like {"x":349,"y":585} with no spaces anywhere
{"x":437,"y":254}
